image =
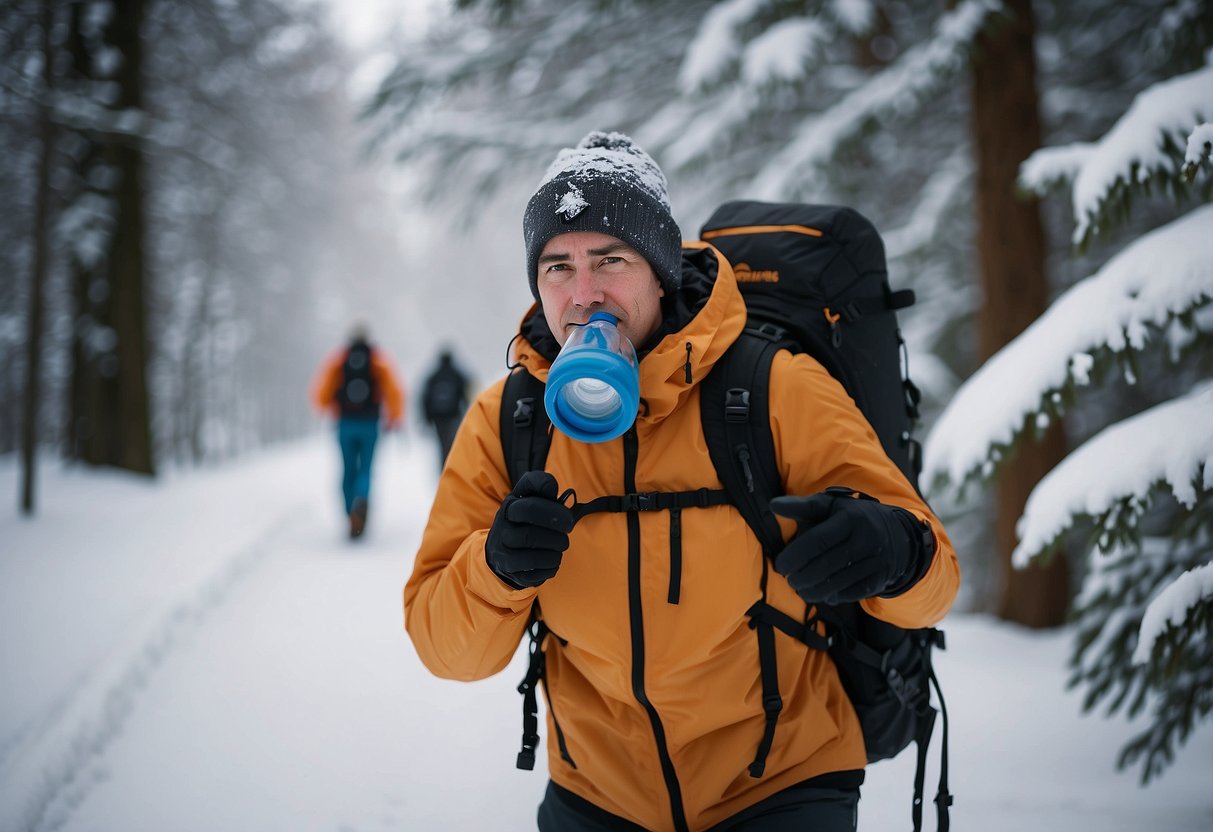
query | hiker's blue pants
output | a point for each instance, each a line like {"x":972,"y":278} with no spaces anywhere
{"x":357,"y":438}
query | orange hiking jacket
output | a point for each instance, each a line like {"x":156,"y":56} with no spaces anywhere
{"x":388,"y":388}
{"x":619,"y":642}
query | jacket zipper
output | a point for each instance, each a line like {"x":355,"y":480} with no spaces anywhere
{"x":675,"y":556}
{"x":631,"y":451}
{"x":560,"y":742}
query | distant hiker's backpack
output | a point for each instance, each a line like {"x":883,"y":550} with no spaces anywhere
{"x":444,"y":394}
{"x":814,"y":280}
{"x":356,"y":395}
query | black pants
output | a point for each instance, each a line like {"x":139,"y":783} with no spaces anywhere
{"x":803,"y":808}
{"x":446,"y":427}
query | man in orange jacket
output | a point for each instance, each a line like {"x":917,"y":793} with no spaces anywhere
{"x":652,"y":672}
{"x":355,"y":384}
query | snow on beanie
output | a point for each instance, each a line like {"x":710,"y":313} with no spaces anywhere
{"x":609,"y":185}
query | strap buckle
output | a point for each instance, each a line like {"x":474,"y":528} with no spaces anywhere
{"x":640,"y":501}
{"x":767,"y":331}
{"x":737,"y":405}
{"x":526,"y":757}
{"x":524,"y":411}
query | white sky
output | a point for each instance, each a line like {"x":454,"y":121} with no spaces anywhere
{"x":207,"y":652}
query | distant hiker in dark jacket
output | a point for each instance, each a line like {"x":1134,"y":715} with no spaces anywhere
{"x":356,"y":384}
{"x":444,"y":400}
{"x":652,"y":670}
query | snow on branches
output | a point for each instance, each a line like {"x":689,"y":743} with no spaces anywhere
{"x":1162,"y":276}
{"x":1147,"y":143}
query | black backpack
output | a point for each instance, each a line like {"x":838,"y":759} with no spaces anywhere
{"x":357,"y":395}
{"x":814,"y":279}
{"x":444,"y":394}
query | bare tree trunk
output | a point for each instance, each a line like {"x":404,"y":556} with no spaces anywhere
{"x":1011,"y":250}
{"x":111,"y":409}
{"x":127,"y":266}
{"x":41,"y":260}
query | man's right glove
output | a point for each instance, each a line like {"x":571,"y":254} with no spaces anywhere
{"x":530,"y":532}
{"x":851,"y":547}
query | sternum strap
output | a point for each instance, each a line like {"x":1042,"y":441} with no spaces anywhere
{"x":653,"y":501}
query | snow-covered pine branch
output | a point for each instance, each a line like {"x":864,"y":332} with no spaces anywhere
{"x":916,"y":75}
{"x":482,"y":91}
{"x":1171,"y":608}
{"x":785,"y":52}
{"x":855,"y":16}
{"x":1159,"y":277}
{"x":938,"y":194}
{"x":1052,"y":167}
{"x":1110,"y":477}
{"x":1146,"y":143}
{"x":1119,"y":586}
{"x":1200,"y":145}
{"x":715,"y":47}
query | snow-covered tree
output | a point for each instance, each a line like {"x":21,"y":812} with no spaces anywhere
{"x":735,"y":97}
{"x":255,"y":210}
{"x":1143,"y":485}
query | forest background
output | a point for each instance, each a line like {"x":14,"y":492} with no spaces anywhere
{"x":201,"y":198}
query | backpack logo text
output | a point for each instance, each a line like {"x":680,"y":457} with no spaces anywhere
{"x":745,"y":274}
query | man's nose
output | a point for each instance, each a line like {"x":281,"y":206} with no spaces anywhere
{"x":587,"y":289}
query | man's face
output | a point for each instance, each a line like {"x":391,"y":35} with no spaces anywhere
{"x":583,"y":272}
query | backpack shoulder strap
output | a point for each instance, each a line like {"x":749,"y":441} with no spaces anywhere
{"x":525,"y":439}
{"x":737,"y":428}
{"x":525,"y":427}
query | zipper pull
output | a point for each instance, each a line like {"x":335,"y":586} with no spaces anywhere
{"x":743,"y":455}
{"x":675,"y":590}
{"x":835,"y":329}
{"x":687,"y":366}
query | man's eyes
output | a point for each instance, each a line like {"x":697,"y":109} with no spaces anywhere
{"x":608,"y":260}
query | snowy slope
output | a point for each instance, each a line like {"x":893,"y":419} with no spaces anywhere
{"x":206,"y":652}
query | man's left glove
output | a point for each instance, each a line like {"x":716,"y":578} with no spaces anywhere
{"x":851,"y":547}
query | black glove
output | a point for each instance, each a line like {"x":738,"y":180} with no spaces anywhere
{"x":530,"y":532}
{"x":851,"y":548}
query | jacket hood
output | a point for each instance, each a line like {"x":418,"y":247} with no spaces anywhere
{"x":700,"y":321}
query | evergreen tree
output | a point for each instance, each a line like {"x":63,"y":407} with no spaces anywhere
{"x":1015,"y":287}
{"x":251,"y":211}
{"x":110,"y":408}
{"x":1143,"y":485}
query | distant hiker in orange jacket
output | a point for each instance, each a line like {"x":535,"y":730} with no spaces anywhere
{"x":654,"y":677}
{"x":356,"y":384}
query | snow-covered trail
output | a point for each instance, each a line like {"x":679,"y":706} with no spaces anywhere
{"x":301,"y":706}
{"x":263,"y":681}
{"x":209,"y":653}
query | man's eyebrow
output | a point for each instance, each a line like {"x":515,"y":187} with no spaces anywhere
{"x":610,"y":248}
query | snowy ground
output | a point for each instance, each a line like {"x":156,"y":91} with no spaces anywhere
{"x":207,"y":652}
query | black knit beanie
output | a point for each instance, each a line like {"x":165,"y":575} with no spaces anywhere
{"x":609,"y":185}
